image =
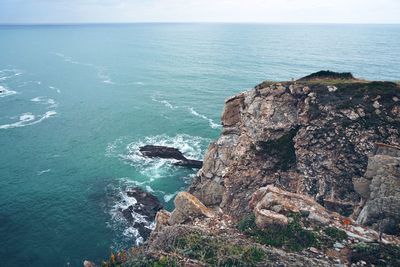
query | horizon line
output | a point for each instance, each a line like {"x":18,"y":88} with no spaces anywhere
{"x":191,"y":22}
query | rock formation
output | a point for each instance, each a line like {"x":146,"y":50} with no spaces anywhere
{"x":146,"y":205}
{"x":170,"y":153}
{"x":380,"y":187}
{"x":311,"y":136}
{"x":296,"y":163}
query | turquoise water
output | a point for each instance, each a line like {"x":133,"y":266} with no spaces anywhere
{"x":79,"y":100}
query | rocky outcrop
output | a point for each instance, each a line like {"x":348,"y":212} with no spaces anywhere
{"x":293,"y":161}
{"x":187,"y":207}
{"x":146,"y":205}
{"x":380,"y":187}
{"x":170,"y":153}
{"x":271,"y":205}
{"x":311,"y":136}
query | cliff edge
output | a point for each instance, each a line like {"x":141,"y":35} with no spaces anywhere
{"x":305,"y":173}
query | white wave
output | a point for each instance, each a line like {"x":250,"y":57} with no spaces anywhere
{"x":210,"y":121}
{"x":55,"y":89}
{"x":6,"y":74}
{"x":43,"y":172}
{"x":117,"y":193}
{"x":6,"y":92}
{"x":165,"y":103}
{"x":149,"y":189}
{"x":139,"y":83}
{"x":168,"y":197}
{"x":101,"y":71}
{"x":46,"y":101}
{"x":27,"y":119}
{"x":193,"y":147}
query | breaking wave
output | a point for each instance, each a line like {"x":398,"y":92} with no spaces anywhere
{"x":45,"y":101}
{"x":6,"y":92}
{"x":210,"y":121}
{"x":165,"y":103}
{"x":192,"y":111}
{"x":27,"y":119}
{"x":101,"y":70}
{"x":117,"y":201}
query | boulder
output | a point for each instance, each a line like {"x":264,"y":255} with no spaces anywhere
{"x":188,"y":207}
{"x":382,"y":207}
{"x":161,"y":152}
{"x":272,"y":204}
{"x":162,"y":218}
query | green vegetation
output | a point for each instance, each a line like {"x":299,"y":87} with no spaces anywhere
{"x":326,"y":74}
{"x":217,"y":252}
{"x":335,"y":233}
{"x":377,"y":254}
{"x":293,"y":236}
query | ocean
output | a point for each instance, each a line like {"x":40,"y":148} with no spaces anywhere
{"x":77,"y":101}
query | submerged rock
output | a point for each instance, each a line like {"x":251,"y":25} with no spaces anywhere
{"x":190,"y":163}
{"x":170,"y":153}
{"x":147,"y":205}
{"x":161,"y":152}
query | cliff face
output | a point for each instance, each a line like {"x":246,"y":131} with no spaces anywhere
{"x":312,"y":137}
{"x":302,"y":175}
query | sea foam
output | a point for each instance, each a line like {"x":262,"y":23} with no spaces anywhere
{"x":6,"y":92}
{"x":27,"y":119}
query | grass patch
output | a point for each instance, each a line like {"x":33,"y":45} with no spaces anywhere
{"x":216,"y":251}
{"x":326,"y":74}
{"x":292,"y":237}
{"x":377,"y":254}
{"x":335,"y":233}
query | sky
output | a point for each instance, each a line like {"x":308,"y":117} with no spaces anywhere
{"x":261,"y":11}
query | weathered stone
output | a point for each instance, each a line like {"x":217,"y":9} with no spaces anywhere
{"x":187,"y":207}
{"x":231,"y":114}
{"x":382,"y":209}
{"x":271,"y":205}
{"x":162,"y":219}
{"x":313,"y":144}
{"x":332,"y":88}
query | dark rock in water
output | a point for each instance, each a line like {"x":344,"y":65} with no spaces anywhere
{"x":170,"y":153}
{"x":195,"y":164}
{"x":147,"y":205}
{"x":326,"y":74}
{"x":161,"y":152}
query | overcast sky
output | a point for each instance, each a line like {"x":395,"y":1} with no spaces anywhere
{"x":275,"y":11}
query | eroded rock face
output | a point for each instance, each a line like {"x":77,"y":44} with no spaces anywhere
{"x":187,"y":207}
{"x":381,"y":190}
{"x":301,"y":136}
{"x":271,"y":205}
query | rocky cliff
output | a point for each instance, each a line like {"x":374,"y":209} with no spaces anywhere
{"x":305,"y":173}
{"x":311,"y":136}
